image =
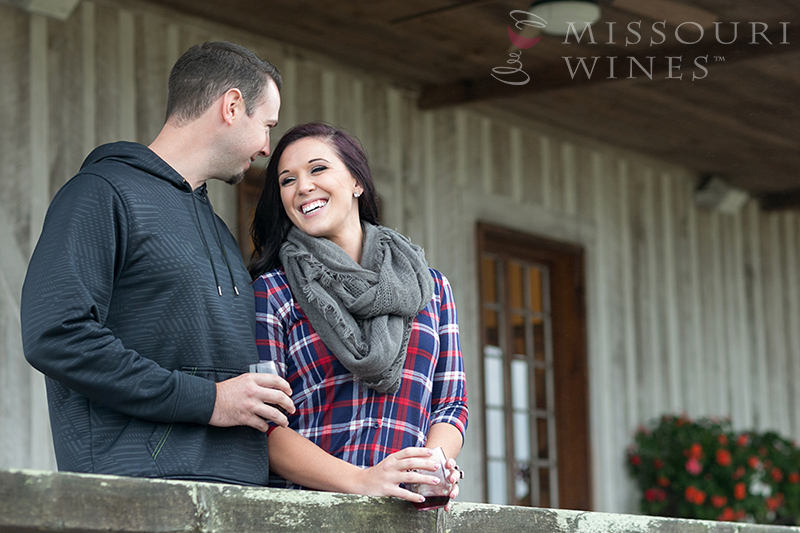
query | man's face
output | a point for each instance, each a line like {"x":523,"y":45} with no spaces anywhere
{"x":249,"y":136}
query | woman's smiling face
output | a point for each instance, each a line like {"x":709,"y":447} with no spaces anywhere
{"x":317,"y":192}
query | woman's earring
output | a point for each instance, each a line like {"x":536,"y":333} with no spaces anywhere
{"x":356,"y":194}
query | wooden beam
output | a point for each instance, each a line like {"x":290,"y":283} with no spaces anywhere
{"x":57,"y":9}
{"x":556,"y":76}
{"x":441,"y":10}
{"x":780,"y":201}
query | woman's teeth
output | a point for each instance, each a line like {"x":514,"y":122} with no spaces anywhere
{"x":313,"y":206}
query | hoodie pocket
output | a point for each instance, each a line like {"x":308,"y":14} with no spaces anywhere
{"x":157,"y":440}
{"x":119,"y":443}
{"x":193,"y":451}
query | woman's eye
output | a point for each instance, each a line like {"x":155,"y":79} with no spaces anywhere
{"x":318,"y":168}
{"x":286,"y":181}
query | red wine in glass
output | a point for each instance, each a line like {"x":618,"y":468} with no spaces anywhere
{"x":436,"y":496}
{"x":432,"y":502}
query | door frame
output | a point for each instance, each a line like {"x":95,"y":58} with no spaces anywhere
{"x":569,"y":331}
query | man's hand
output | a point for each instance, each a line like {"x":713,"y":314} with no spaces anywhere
{"x":248,"y":400}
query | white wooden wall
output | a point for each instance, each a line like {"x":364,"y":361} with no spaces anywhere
{"x":688,"y":310}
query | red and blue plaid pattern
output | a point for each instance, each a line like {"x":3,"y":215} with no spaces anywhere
{"x":334,"y":409}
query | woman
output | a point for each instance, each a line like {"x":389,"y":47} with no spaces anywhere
{"x":365,"y":332}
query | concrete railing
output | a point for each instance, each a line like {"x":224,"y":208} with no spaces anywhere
{"x":45,"y":501}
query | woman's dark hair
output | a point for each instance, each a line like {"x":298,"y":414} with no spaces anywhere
{"x":271,"y":224}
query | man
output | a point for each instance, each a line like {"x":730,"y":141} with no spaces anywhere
{"x":137,"y":305}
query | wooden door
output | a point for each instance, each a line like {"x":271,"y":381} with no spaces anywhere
{"x":534,"y":371}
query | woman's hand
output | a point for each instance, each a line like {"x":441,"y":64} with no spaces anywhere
{"x":454,"y":475}
{"x":450,"y":439}
{"x":384,"y":478}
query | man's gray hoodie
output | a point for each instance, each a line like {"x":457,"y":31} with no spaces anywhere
{"x":135,"y":303}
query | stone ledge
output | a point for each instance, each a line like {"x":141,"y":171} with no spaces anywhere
{"x":62,"y":502}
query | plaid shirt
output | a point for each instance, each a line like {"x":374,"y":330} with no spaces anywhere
{"x":334,"y":409}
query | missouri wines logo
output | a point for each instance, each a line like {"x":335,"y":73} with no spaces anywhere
{"x":674,"y":66}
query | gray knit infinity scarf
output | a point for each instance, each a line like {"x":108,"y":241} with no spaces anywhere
{"x":363,"y":313}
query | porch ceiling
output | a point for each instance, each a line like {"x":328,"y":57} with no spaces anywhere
{"x":739,"y":120}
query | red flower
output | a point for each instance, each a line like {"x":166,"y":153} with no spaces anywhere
{"x":718,"y":501}
{"x":727,"y":515}
{"x":695,"y":451}
{"x":740,"y":491}
{"x":739,"y":473}
{"x":636,"y":460}
{"x":777,"y":475}
{"x":694,"y":495}
{"x":723,"y":457}
{"x":753,"y":462}
{"x":662,"y":481}
{"x":763,"y":451}
{"x":775,"y":502}
{"x":743,"y":439}
{"x":723,"y":440}
{"x":655,"y":495}
{"x":740,"y":514}
{"x":658,"y":463}
{"x":693,"y":466}
{"x":794,"y":477}
{"x":699,"y":497}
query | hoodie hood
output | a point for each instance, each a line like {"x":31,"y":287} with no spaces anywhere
{"x":137,"y":156}
{"x":142,"y":158}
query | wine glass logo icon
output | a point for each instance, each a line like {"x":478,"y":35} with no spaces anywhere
{"x":530,"y":27}
{"x":528,"y":24}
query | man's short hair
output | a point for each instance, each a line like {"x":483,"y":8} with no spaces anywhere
{"x":206,"y":71}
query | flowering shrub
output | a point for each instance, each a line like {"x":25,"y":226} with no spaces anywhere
{"x":701,"y":469}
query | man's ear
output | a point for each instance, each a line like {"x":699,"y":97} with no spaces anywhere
{"x":233,"y":105}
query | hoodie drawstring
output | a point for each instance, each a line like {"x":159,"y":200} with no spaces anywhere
{"x":221,"y":247}
{"x":205,"y":243}
{"x":219,"y":243}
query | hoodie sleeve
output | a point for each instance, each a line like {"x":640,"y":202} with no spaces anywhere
{"x":65,"y":301}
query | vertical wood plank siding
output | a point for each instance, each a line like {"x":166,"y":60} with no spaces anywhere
{"x":688,"y":310}
{"x":670,"y":293}
{"x":43,"y":159}
{"x":792,"y":310}
{"x":39,"y":116}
